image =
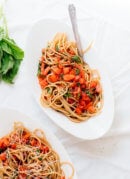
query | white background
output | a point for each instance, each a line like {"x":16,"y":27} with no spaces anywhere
{"x":115,"y":11}
{"x":108,"y":23}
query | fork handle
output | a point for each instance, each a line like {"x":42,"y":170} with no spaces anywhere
{"x":73,"y":18}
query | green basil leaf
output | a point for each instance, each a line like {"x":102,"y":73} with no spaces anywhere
{"x":77,"y":71}
{"x":89,"y":94}
{"x":1,"y":55}
{"x":17,"y":52}
{"x":40,"y":158}
{"x":6,"y":48}
{"x":78,"y":83}
{"x":39,"y":69}
{"x":2,"y":33}
{"x":10,"y":54}
{"x":9,"y":76}
{"x":67,"y":95}
{"x":49,"y":90}
{"x":38,"y":151}
{"x":6,"y":63}
{"x":57,"y":48}
{"x":76,"y":59}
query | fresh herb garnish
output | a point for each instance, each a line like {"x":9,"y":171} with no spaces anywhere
{"x":78,"y":83}
{"x":39,"y":69}
{"x":76,"y":59}
{"x":67,"y":95}
{"x":57,"y":47}
{"x":89,"y":93}
{"x":38,"y":151}
{"x":77,"y":71}
{"x":78,"y":95}
{"x":40,"y":158}
{"x":10,"y":54}
{"x":49,"y":90}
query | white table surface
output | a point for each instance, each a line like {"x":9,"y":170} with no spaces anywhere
{"x":108,"y":157}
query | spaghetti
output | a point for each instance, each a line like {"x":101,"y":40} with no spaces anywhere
{"x":68,"y":84}
{"x":28,"y":155}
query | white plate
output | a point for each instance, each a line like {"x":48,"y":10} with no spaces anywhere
{"x":9,"y":116}
{"x":42,"y":32}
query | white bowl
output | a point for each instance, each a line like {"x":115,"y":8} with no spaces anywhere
{"x":44,"y":31}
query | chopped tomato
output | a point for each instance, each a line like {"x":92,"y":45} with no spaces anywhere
{"x":70,"y":51}
{"x":68,"y":77}
{"x":91,"y":109}
{"x":88,"y":105}
{"x":70,"y":100}
{"x":76,"y":90}
{"x":22,"y":168}
{"x":82,"y":74}
{"x":66,"y":70}
{"x":78,"y":66}
{"x":72,"y":72}
{"x":58,"y":58}
{"x":81,"y":80}
{"x":26,"y":136}
{"x":13,"y":146}
{"x":3,"y":156}
{"x":77,"y":77}
{"x":4,"y":142}
{"x":22,"y":176}
{"x":1,"y":143}
{"x":82,"y":103}
{"x":85,"y":97}
{"x":78,"y":110}
{"x":43,"y":82}
{"x":60,"y":66}
{"x":42,"y":68}
{"x":33,"y":142}
{"x":73,"y":84}
{"x":57,"y":70}
{"x":53,"y":78}
{"x":46,"y":70}
{"x":83,"y":86}
{"x":93,"y":84}
{"x":44,"y":149}
{"x":87,"y":85}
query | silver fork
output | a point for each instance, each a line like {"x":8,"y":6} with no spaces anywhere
{"x":73,"y":18}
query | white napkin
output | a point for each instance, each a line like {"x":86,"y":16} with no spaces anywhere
{"x":105,"y":158}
